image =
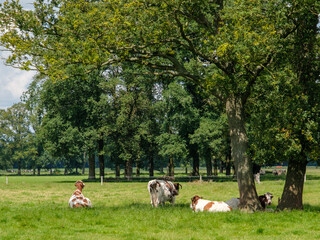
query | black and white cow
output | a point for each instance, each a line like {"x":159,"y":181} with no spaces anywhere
{"x":162,"y":191}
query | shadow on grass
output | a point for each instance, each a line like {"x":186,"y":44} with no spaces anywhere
{"x":144,"y":206}
{"x":311,"y":208}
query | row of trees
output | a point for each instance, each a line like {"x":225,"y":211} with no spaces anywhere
{"x":129,"y":123}
{"x":141,"y":79}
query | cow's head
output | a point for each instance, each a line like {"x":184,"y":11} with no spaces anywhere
{"x":266,"y":199}
{"x":194,"y":201}
{"x":79,"y":184}
{"x":176,"y":190}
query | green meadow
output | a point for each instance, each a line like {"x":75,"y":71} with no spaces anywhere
{"x":36,"y":207}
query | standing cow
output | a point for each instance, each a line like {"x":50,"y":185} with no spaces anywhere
{"x":162,"y":191}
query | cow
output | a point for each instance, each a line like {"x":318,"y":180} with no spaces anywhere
{"x":162,"y":191}
{"x":77,"y":199}
{"x":199,"y":205}
{"x":264,"y":199}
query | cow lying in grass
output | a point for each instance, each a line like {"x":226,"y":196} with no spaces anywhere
{"x":264,"y":199}
{"x":162,"y":191}
{"x":77,"y":199}
{"x":199,"y":205}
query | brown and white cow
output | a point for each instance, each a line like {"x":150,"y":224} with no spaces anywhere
{"x":265,"y":200}
{"x":77,"y":199}
{"x":199,"y":205}
{"x":162,"y":191}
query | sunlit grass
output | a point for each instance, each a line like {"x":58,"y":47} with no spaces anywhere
{"x":37,"y":208}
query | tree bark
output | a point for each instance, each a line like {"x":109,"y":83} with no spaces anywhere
{"x":84,"y":163}
{"x":151,"y":166}
{"x":171,"y":167}
{"x":196,"y":160}
{"x":228,"y":161}
{"x":207,"y":156}
{"x":138,"y":166}
{"x":128,"y":171}
{"x":19,"y":168}
{"x":293,"y":189}
{"x":92,"y":171}
{"x":101,"y":157}
{"x":239,"y":145}
{"x":215,"y":167}
{"x":117,"y":167}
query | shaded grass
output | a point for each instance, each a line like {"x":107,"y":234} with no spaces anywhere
{"x":37,"y":208}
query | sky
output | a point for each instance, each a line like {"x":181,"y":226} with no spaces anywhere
{"x":13,"y":82}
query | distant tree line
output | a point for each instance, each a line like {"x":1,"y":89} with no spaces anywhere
{"x":132,"y":121}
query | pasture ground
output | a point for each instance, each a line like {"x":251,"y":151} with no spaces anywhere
{"x":33,"y":207}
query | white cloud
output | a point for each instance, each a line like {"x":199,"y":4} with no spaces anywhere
{"x":13,"y":82}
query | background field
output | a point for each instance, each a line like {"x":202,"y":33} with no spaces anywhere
{"x":34,"y":207}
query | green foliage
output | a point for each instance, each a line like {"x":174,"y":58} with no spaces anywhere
{"x":17,"y":139}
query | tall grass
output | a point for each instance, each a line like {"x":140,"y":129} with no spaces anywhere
{"x":37,"y":208}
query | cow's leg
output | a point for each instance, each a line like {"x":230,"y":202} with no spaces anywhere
{"x":173,"y":200}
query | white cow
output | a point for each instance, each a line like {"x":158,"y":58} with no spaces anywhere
{"x":77,"y":199}
{"x":199,"y":205}
{"x":162,"y":191}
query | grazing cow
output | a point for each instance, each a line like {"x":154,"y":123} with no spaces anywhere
{"x":256,"y":172}
{"x":77,"y":199}
{"x":162,"y":191}
{"x":264,"y":199}
{"x":279,"y":172}
{"x":199,"y":205}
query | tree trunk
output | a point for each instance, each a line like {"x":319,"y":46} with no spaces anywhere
{"x":221,"y":166}
{"x":207,"y":156}
{"x":19,"y":168}
{"x":84,"y":163}
{"x":151,"y":166}
{"x":239,"y":145}
{"x":215,"y":167}
{"x":39,"y":171}
{"x":92,"y":170}
{"x":101,"y":157}
{"x":117,"y":167}
{"x":228,"y":166}
{"x":228,"y":158}
{"x":138,"y":167}
{"x":293,"y":189}
{"x":196,"y":160}
{"x":128,"y":171}
{"x":171,"y":167}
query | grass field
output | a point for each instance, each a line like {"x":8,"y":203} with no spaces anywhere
{"x":34,"y":207}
